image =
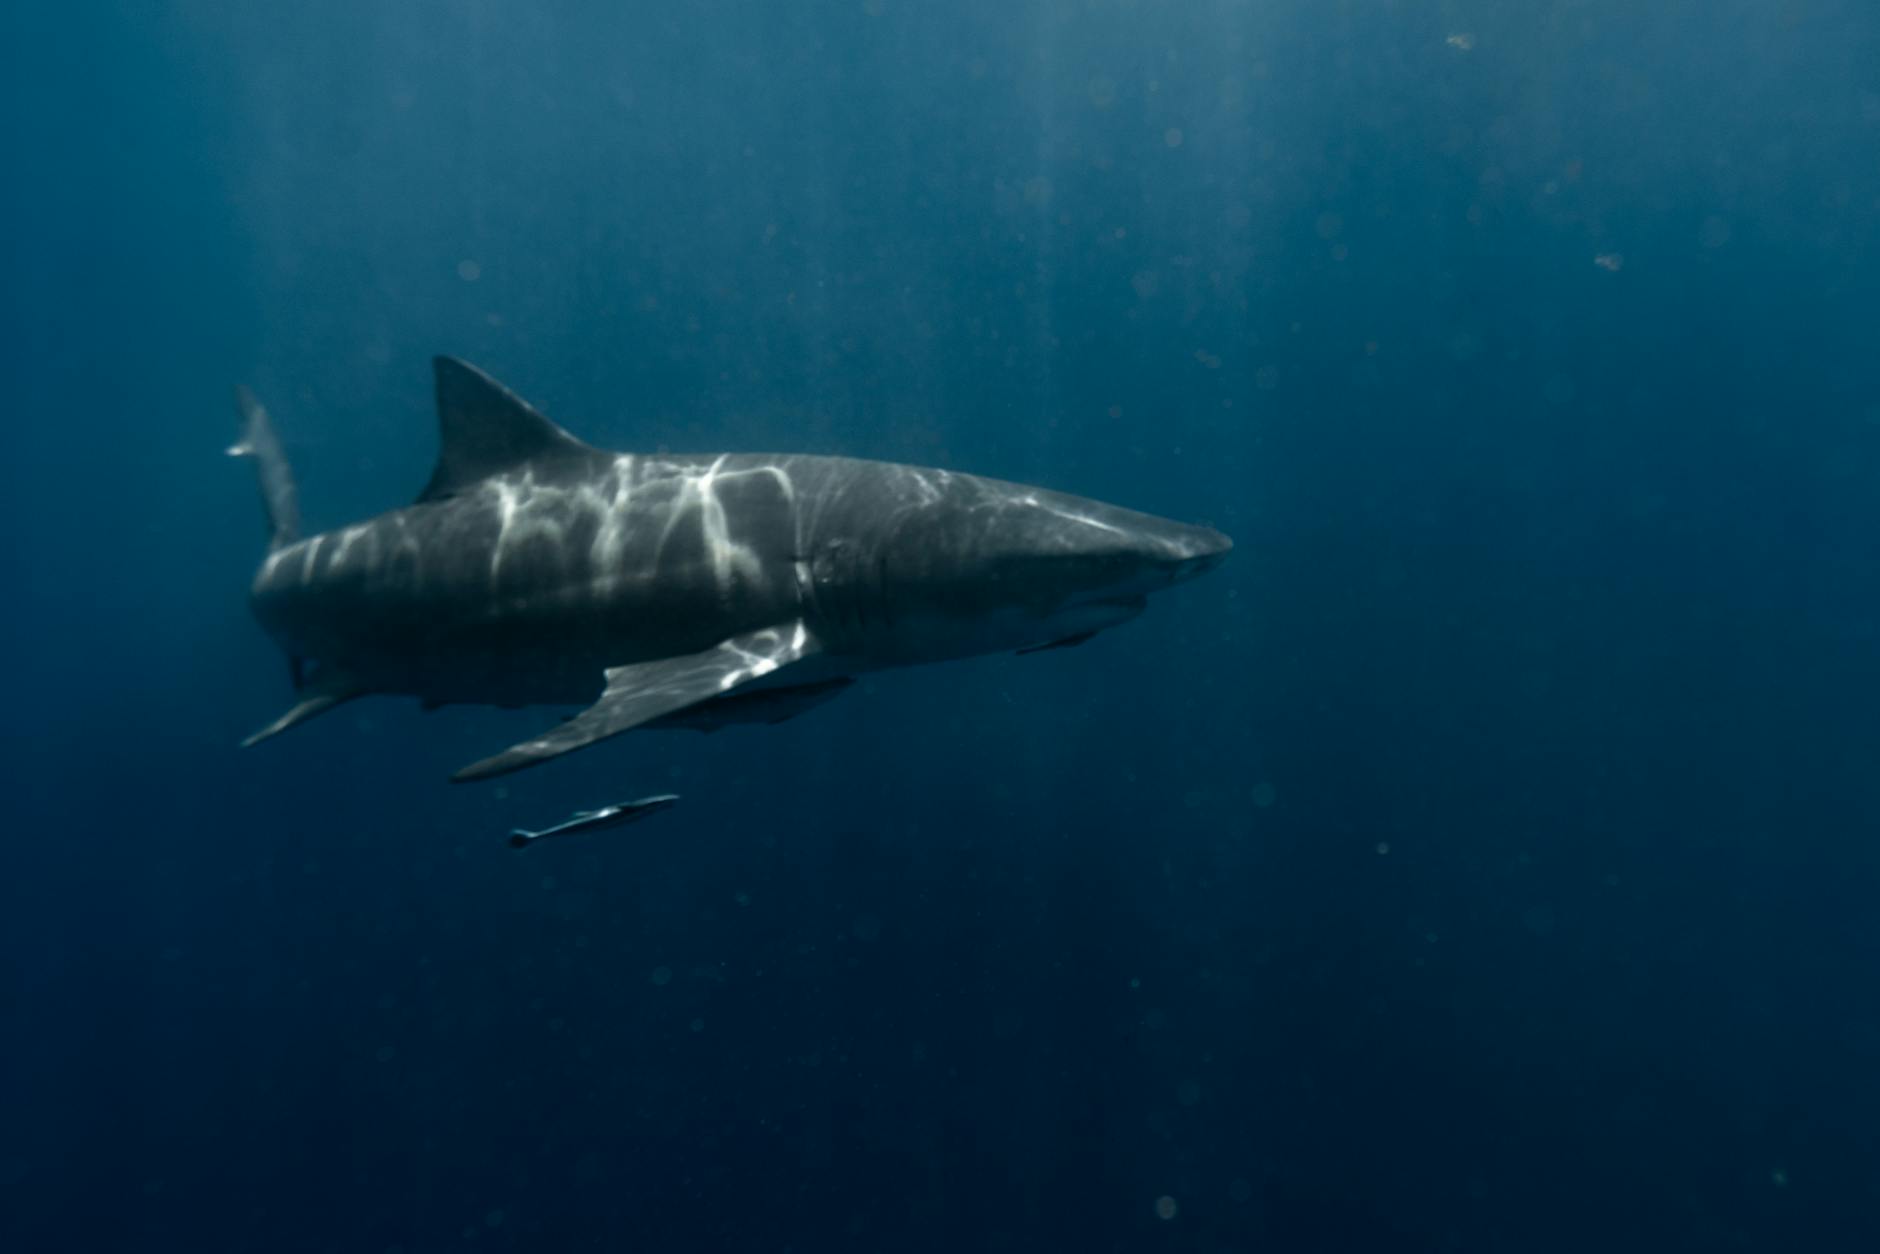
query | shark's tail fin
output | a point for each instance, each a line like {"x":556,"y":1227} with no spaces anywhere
{"x":278,"y":493}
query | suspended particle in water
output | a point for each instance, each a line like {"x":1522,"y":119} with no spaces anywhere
{"x":1165,"y":1207}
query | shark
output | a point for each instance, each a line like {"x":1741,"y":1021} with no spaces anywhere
{"x":675,"y":590}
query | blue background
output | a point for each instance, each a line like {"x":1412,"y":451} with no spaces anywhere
{"x":1483,"y":859}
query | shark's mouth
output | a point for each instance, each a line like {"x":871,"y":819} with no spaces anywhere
{"x":1101,"y":612}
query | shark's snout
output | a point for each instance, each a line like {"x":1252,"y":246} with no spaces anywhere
{"x":1206,"y":549}
{"x":1181,"y":551}
{"x":1205,"y":544}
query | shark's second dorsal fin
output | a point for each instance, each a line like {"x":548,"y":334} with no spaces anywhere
{"x":485,"y":429}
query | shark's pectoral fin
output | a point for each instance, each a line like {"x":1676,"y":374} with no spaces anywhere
{"x":765,"y":705}
{"x":315,"y":703}
{"x":648,"y":690}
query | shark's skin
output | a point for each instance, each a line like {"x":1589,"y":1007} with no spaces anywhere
{"x":536,"y":569}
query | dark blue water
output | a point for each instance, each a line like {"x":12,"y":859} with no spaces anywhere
{"x":1483,"y":860}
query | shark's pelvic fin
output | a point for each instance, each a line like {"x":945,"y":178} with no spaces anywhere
{"x":317,"y":702}
{"x":484,"y":429}
{"x":648,"y":690}
{"x":278,"y":493}
{"x":1068,"y":642}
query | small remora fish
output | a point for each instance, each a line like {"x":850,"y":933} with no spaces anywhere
{"x":597,"y":820}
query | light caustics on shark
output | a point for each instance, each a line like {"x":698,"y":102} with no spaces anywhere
{"x":675,"y":590}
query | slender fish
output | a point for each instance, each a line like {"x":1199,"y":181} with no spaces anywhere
{"x":597,"y":820}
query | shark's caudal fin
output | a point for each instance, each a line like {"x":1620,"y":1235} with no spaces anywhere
{"x":278,"y":493}
{"x":484,"y":429}
{"x":638,"y":694}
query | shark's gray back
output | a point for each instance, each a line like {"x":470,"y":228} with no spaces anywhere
{"x":539,"y":578}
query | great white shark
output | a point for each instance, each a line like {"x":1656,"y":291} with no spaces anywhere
{"x":676,"y":590}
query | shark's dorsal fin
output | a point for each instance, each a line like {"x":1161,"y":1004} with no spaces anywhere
{"x":485,"y":429}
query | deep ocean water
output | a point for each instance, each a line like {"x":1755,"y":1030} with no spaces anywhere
{"x":1483,"y":859}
